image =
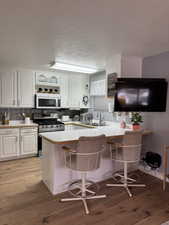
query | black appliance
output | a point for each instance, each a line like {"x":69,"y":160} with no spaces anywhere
{"x":140,"y":95}
{"x":48,"y":124}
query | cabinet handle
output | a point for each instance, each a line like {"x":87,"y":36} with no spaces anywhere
{"x":20,"y":138}
{"x":16,"y":139}
{"x":18,"y":102}
{"x":14,"y":102}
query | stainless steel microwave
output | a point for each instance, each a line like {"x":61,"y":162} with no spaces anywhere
{"x":47,"y":101}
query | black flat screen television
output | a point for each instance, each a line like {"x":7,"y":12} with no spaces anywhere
{"x":140,"y":95}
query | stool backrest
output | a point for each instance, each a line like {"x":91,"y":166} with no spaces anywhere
{"x":131,"y":145}
{"x":88,"y":153}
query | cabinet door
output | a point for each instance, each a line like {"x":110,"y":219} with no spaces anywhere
{"x":9,"y":146}
{"x":98,"y":88}
{"x":26,"y":88}
{"x":64,"y":92}
{"x":28,"y":143}
{"x":74,"y":91}
{"x":8,"y":89}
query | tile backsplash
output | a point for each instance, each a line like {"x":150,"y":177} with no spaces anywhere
{"x":16,"y":113}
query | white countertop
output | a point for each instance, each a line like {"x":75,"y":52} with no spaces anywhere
{"x":18,"y":124}
{"x":110,"y":130}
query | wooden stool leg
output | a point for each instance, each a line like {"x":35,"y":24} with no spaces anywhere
{"x":165,"y":165}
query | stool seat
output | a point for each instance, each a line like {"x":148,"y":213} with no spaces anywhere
{"x":127,"y":152}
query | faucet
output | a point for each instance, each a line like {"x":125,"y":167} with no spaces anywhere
{"x":101,"y":119}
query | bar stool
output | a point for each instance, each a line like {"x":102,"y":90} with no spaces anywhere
{"x":126,"y":152}
{"x":86,"y":157}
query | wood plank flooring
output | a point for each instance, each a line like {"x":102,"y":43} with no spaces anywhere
{"x":24,"y":200}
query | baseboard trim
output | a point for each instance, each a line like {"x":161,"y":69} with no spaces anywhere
{"x":154,"y":173}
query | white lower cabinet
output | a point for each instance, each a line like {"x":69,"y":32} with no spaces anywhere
{"x":9,"y":143}
{"x":17,"y":143}
{"x":28,"y":142}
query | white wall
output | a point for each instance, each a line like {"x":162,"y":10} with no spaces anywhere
{"x":113,"y":64}
{"x":158,"y":122}
{"x":131,"y":66}
{"x":124,"y":66}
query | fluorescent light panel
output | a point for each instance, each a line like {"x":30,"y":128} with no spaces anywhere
{"x":73,"y":68}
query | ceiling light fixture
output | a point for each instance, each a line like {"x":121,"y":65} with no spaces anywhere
{"x":72,"y":68}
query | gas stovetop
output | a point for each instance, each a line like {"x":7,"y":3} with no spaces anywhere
{"x":49,"y":124}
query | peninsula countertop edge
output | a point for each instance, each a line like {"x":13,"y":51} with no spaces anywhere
{"x":66,"y":137}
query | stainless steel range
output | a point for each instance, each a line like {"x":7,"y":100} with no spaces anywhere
{"x":47,"y":124}
{"x":50,"y":125}
{"x":51,"y":128}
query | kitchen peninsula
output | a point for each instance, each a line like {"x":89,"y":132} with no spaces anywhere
{"x":54,"y":173}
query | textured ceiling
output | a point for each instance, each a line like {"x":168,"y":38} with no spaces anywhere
{"x":85,"y":32}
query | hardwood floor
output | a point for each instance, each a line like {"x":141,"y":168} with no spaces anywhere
{"x":24,"y":200}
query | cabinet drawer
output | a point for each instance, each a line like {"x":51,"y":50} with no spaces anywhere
{"x":29,"y":130}
{"x":5,"y":131}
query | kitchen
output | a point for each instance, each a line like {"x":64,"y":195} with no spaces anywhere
{"x":49,"y":98}
{"x":76,"y":80}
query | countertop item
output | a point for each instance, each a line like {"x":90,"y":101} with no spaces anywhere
{"x":65,"y":118}
{"x":5,"y":118}
{"x":54,"y":115}
{"x":27,"y":120}
{"x":76,"y":118}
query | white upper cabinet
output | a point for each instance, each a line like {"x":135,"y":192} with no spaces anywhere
{"x":74,"y":91}
{"x":17,"y":89}
{"x":98,"y":88}
{"x":26,"y":88}
{"x":47,"y":79}
{"x":64,"y":91}
{"x":8,"y":89}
